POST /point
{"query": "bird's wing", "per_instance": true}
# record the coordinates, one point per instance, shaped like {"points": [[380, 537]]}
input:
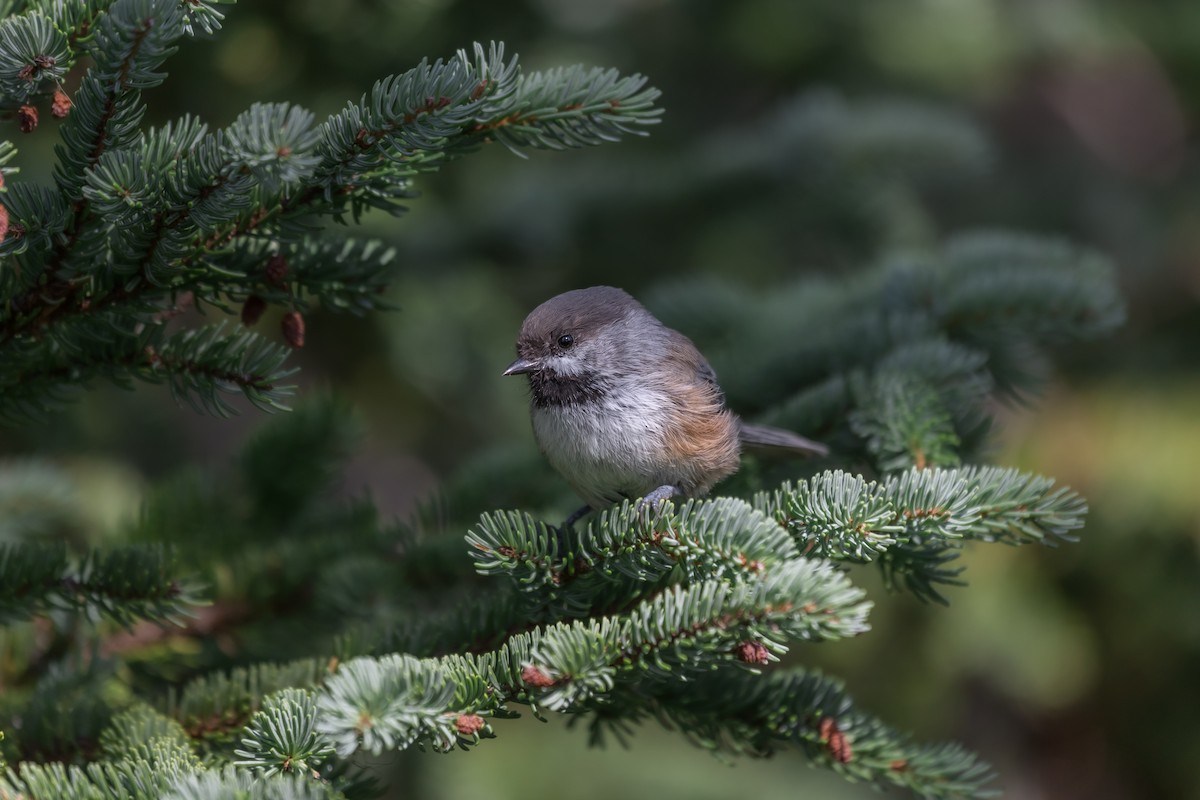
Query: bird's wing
{"points": [[697, 365], [754, 435]]}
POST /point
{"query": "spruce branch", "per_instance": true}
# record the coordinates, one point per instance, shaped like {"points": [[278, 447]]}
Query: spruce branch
{"points": [[202, 364], [760, 715], [574, 107], [131, 42], [398, 701], [229, 782], [140, 218], [435, 112], [203, 16], [393, 703], [282, 736], [690, 628], [150, 773], [218, 705], [131, 729], [626, 547], [922, 515], [33, 53], [123, 584], [159, 770], [61, 716], [345, 274], [476, 624], [1051, 289], [199, 365], [854, 364], [904, 423], [31, 579]]}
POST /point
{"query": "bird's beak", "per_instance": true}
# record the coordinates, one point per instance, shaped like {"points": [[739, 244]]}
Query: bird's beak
{"points": [[522, 366]]}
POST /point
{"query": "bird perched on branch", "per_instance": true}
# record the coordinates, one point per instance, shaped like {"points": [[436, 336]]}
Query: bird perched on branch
{"points": [[625, 407]]}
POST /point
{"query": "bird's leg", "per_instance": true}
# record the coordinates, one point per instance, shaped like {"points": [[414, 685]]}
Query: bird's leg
{"points": [[563, 532], [576, 515]]}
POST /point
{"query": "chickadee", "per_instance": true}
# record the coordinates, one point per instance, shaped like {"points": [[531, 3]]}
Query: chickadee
{"points": [[625, 407]]}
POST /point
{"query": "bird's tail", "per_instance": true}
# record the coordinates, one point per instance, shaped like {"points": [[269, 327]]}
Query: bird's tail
{"points": [[764, 436]]}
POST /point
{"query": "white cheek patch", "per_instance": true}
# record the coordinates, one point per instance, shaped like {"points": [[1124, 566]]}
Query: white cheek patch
{"points": [[565, 365]]}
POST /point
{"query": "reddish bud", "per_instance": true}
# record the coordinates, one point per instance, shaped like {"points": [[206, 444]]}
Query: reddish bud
{"points": [[834, 740], [277, 271], [839, 747], [753, 566], [252, 310], [435, 103], [60, 106], [752, 653], [28, 72], [27, 118], [3, 223], [469, 724], [827, 727], [533, 676], [293, 329], [44, 61]]}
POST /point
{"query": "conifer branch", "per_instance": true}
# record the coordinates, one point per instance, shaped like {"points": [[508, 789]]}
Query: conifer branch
{"points": [[158, 771], [282, 737], [131, 42], [220, 704], [124, 585], [199, 365], [153, 772], [229, 782], [900, 368], [398, 701], [918, 518], [760, 715], [33, 54], [627, 548], [139, 218], [137, 725]]}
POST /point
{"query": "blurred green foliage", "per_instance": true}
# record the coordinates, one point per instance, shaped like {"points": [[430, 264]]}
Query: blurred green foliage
{"points": [[1073, 671]]}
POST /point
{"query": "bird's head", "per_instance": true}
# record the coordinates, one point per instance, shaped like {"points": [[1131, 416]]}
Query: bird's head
{"points": [[582, 336]]}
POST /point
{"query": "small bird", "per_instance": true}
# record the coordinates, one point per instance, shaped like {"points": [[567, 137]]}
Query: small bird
{"points": [[625, 407]]}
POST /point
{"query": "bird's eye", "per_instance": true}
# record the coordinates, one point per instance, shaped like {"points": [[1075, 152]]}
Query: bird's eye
{"points": [[566, 340]]}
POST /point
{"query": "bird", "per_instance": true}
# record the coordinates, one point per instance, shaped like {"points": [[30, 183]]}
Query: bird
{"points": [[624, 407]]}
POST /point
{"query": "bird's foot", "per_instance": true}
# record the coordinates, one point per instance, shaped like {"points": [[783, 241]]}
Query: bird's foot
{"points": [[655, 498]]}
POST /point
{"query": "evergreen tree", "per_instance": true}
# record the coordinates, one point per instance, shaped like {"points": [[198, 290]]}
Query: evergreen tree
{"points": [[356, 634]]}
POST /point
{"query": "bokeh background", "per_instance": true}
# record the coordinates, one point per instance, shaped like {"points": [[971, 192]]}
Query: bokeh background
{"points": [[800, 136]]}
